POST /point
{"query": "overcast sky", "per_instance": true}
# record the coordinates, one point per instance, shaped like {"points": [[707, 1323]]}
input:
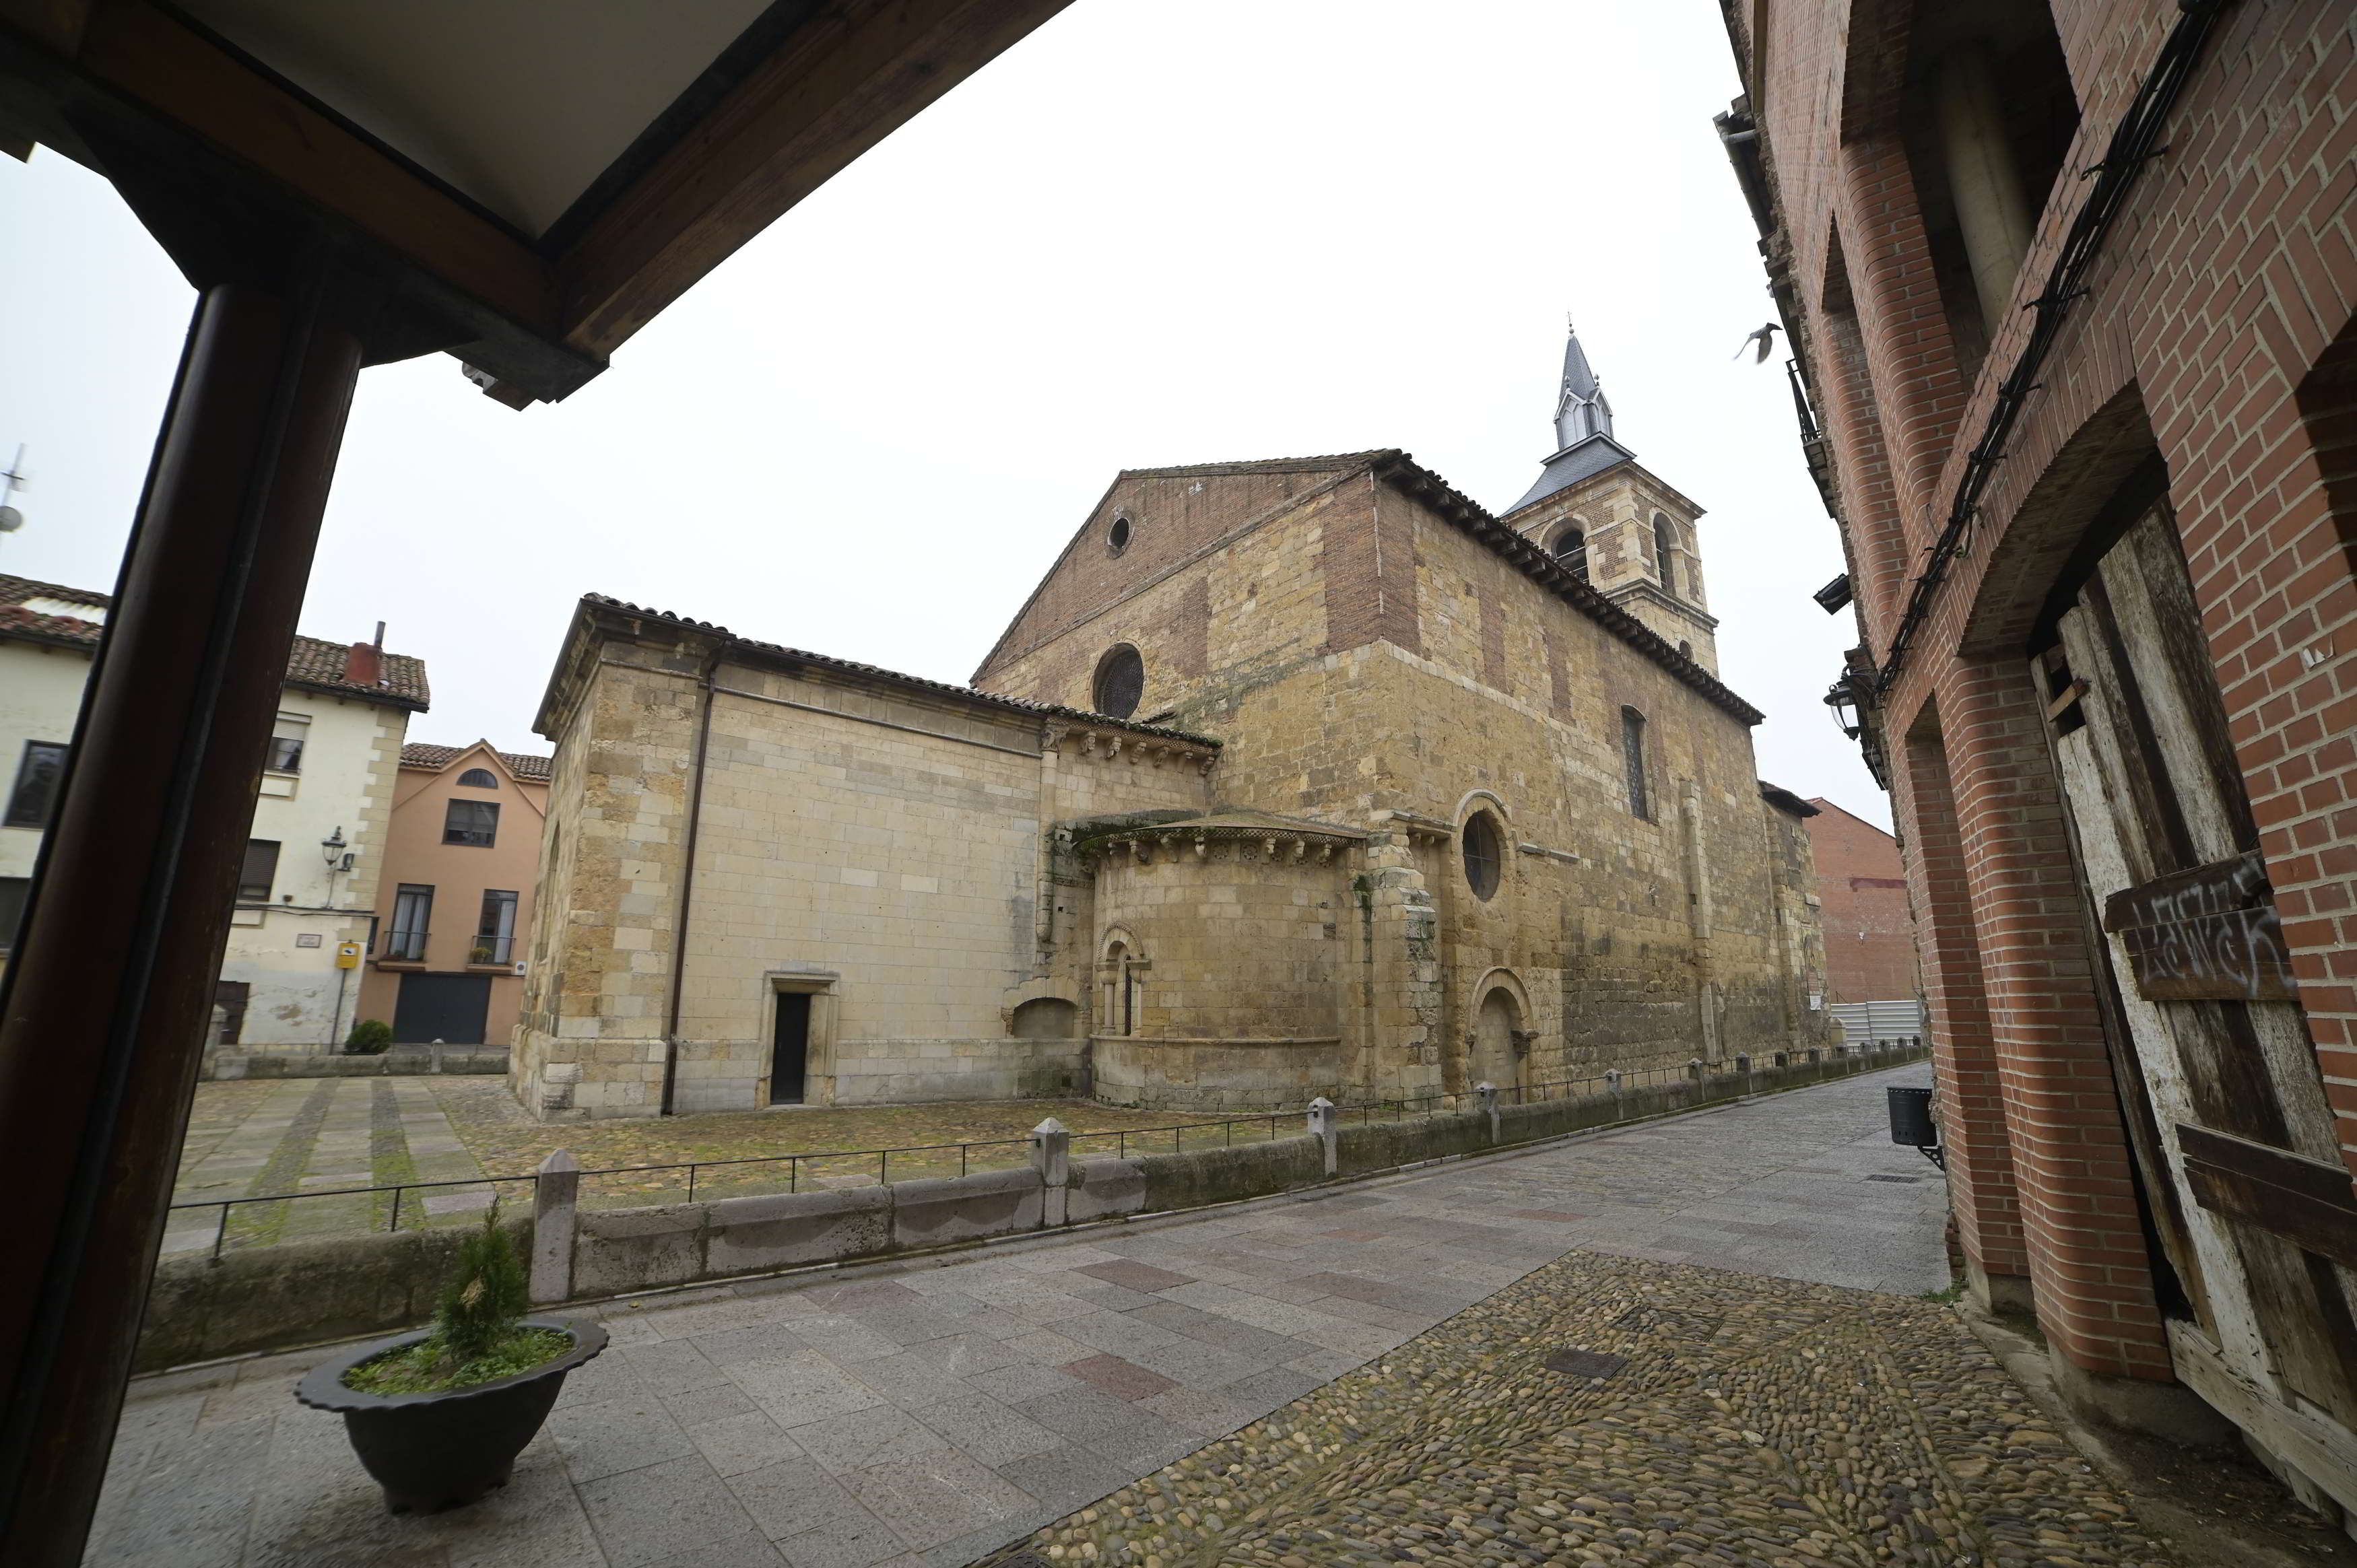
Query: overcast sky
{"points": [[1152, 233]]}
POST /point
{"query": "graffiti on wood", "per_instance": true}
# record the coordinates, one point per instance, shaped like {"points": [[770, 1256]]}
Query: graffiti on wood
{"points": [[2209, 933]]}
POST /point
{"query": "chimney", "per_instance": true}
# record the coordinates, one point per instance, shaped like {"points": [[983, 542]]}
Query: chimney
{"points": [[364, 665]]}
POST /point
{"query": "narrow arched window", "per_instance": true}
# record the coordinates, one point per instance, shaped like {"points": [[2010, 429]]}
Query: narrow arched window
{"points": [[1665, 552], [1121, 682], [1484, 854], [1633, 760], [478, 778], [1570, 550]]}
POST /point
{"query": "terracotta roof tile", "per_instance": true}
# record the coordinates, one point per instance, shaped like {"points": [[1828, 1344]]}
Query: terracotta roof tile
{"points": [[315, 665], [914, 682], [523, 765]]}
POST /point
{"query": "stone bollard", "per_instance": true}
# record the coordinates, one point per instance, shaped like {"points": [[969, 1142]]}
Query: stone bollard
{"points": [[1693, 1070], [1052, 1156], [1743, 1066], [556, 1201], [1488, 1094], [1321, 1125]]}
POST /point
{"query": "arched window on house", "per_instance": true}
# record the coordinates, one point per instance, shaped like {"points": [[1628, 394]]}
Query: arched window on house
{"points": [[1632, 761], [1570, 551], [478, 778], [1665, 552]]}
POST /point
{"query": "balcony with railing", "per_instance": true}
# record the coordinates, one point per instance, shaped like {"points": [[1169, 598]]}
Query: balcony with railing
{"points": [[404, 947], [491, 950]]}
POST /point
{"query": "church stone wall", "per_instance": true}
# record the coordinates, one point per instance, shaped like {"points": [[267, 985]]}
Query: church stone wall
{"points": [[879, 849], [589, 1041], [1624, 941]]}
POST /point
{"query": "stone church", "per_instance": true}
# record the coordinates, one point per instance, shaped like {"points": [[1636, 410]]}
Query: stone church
{"points": [[1291, 777]]}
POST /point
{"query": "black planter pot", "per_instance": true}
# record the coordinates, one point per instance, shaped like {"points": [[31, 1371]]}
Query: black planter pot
{"points": [[436, 1451]]}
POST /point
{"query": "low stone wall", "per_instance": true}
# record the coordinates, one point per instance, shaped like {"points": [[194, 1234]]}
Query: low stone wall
{"points": [[303, 1292], [273, 1297], [898, 1072], [401, 1062]]}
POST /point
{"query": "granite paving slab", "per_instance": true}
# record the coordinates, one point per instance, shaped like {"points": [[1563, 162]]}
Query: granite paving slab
{"points": [[938, 1414]]}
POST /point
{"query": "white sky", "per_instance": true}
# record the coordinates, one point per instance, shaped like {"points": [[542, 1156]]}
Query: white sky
{"points": [[1152, 233]]}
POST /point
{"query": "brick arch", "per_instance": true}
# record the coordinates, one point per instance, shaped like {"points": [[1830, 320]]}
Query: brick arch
{"points": [[2074, 488], [1874, 66]]}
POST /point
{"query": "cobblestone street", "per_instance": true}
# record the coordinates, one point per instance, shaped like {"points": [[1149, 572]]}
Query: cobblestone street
{"points": [[1735, 1420], [1770, 1409]]}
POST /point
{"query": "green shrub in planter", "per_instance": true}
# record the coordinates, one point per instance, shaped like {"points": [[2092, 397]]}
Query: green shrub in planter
{"points": [[479, 1333], [438, 1415], [370, 1037]]}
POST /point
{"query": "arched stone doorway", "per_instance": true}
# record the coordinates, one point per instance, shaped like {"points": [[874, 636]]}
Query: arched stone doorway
{"points": [[1497, 1026]]}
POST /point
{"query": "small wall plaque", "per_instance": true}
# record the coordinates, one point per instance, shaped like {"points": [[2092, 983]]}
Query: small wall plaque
{"points": [[307, 939]]}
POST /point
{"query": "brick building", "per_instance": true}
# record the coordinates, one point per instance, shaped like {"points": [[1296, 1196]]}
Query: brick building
{"points": [[1290, 777], [2071, 286], [1862, 899]]}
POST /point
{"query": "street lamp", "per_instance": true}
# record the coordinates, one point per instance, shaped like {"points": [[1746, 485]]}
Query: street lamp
{"points": [[332, 847], [1843, 700]]}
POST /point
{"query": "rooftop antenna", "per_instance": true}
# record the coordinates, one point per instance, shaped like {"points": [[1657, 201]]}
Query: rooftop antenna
{"points": [[12, 478]]}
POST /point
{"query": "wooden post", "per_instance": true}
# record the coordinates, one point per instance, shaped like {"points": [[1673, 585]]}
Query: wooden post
{"points": [[103, 1013]]}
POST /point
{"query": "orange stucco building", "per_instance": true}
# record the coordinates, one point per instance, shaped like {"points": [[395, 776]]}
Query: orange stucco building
{"points": [[454, 907]]}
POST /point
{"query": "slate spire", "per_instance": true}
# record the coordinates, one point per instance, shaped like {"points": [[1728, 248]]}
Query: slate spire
{"points": [[1584, 446], [1580, 409]]}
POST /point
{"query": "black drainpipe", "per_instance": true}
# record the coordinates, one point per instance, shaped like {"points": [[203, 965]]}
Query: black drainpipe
{"points": [[686, 887]]}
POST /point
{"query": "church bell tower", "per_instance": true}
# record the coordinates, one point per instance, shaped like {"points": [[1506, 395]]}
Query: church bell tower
{"points": [[1608, 519]]}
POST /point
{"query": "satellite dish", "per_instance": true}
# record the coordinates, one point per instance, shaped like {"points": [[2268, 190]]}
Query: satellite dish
{"points": [[11, 520]]}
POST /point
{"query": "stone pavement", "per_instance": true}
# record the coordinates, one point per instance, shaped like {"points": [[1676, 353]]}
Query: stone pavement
{"points": [[255, 1136], [935, 1414], [312, 1134]]}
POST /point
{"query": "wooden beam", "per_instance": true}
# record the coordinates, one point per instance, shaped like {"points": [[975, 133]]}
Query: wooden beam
{"points": [[838, 86], [2308, 1203], [176, 73], [53, 24], [2317, 1447]]}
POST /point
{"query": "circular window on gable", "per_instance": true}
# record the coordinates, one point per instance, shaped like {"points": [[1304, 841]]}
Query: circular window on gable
{"points": [[1484, 849], [1121, 682], [1117, 536]]}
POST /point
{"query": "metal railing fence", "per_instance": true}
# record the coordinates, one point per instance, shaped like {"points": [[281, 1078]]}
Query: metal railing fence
{"points": [[850, 1166]]}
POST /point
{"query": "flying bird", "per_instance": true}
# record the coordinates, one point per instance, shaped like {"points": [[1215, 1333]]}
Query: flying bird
{"points": [[1765, 338]]}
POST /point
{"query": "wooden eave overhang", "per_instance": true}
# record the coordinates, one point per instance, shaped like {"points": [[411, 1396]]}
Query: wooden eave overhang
{"points": [[225, 159]]}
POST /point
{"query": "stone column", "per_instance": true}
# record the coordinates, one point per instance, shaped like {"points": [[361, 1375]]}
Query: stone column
{"points": [[556, 1202], [1321, 1127], [1991, 210], [1052, 1156]]}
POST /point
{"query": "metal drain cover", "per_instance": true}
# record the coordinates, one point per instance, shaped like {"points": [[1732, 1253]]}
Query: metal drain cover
{"points": [[1585, 1363], [1908, 1180], [1024, 1559]]}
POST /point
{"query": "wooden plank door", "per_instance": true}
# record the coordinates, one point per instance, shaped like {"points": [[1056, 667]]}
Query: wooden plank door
{"points": [[2256, 1210]]}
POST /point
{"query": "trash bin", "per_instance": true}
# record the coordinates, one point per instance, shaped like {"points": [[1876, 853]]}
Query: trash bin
{"points": [[1910, 1117]]}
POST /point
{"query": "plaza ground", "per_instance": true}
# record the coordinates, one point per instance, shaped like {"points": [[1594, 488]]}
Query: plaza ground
{"points": [[250, 1138], [1358, 1375]]}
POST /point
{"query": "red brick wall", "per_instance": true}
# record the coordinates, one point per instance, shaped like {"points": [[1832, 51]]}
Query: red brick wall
{"points": [[1862, 894], [2218, 330]]}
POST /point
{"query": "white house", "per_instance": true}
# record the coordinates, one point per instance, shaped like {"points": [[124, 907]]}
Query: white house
{"points": [[307, 891]]}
